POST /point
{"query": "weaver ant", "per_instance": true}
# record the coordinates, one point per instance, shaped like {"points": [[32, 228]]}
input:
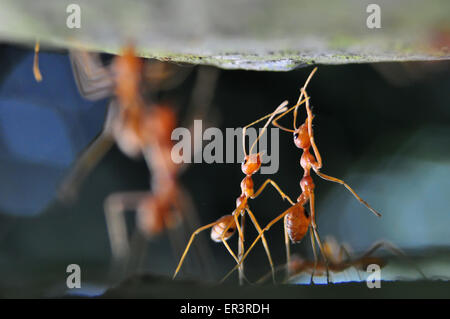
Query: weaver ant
{"points": [[224, 227], [297, 219]]}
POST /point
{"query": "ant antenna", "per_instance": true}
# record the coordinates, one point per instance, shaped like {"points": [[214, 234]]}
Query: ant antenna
{"points": [[301, 95], [275, 121], [281, 108]]}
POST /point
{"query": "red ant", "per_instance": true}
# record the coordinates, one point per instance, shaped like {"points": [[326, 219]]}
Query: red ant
{"points": [[297, 219], [224, 227], [138, 128]]}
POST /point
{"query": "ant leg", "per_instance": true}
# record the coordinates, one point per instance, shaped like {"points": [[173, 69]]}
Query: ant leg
{"points": [[269, 225], [138, 252], [309, 119], [241, 250], [288, 249], [313, 244], [335, 180], [316, 233], [303, 92], [189, 220], [295, 107], [161, 76], [357, 272], [282, 194], [94, 81], [397, 251], [194, 234], [278, 110], [199, 106], [318, 165], [344, 251], [264, 241], [236, 220], [89, 158], [115, 206], [202, 94], [36, 72], [224, 241]]}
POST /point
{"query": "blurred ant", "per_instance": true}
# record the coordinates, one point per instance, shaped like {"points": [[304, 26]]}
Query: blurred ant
{"points": [[297, 219], [138, 128], [225, 226], [36, 72], [340, 260]]}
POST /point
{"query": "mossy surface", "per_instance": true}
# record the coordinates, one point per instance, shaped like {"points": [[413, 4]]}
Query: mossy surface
{"points": [[256, 35]]}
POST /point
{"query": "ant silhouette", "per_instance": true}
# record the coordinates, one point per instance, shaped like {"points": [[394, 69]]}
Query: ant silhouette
{"points": [[297, 220], [224, 227]]}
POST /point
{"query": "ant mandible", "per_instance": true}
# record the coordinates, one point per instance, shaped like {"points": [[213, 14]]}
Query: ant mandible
{"points": [[225, 227]]}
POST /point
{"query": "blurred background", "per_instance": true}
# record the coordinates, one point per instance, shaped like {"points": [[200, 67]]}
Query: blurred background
{"points": [[383, 128]]}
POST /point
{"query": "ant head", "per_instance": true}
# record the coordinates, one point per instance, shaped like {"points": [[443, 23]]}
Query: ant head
{"points": [[301, 137], [251, 164]]}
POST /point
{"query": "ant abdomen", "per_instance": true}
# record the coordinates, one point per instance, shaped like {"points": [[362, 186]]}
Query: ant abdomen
{"points": [[225, 226], [297, 222]]}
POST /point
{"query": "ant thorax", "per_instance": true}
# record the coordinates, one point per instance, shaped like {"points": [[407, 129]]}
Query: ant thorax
{"points": [[306, 160]]}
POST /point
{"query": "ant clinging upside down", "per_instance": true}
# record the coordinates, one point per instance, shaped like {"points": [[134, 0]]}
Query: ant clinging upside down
{"points": [[225, 227], [297, 219]]}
